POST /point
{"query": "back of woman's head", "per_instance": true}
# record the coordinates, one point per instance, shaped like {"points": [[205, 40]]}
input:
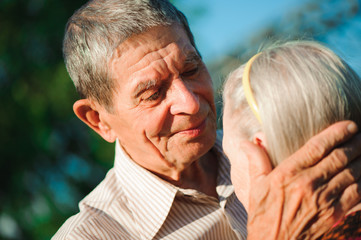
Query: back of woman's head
{"points": [[300, 88]]}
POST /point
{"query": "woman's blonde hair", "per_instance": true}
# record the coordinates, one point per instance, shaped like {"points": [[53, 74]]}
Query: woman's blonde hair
{"points": [[300, 87]]}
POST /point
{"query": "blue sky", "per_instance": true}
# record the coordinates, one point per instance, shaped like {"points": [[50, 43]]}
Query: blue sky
{"points": [[218, 21]]}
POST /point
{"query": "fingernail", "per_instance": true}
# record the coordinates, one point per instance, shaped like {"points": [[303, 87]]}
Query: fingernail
{"points": [[352, 127]]}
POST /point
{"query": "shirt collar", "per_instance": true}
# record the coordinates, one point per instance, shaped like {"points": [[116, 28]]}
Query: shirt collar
{"points": [[151, 196]]}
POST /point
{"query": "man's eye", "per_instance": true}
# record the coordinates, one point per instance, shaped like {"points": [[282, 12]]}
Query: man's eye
{"points": [[154, 96], [190, 72]]}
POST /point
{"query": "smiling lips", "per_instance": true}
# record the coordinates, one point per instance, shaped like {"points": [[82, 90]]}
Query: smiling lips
{"points": [[194, 132]]}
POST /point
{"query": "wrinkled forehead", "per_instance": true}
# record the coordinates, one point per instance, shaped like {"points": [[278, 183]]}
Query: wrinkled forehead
{"points": [[163, 43], [157, 38]]}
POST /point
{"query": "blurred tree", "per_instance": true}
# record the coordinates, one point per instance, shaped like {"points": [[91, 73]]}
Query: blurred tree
{"points": [[49, 161]]}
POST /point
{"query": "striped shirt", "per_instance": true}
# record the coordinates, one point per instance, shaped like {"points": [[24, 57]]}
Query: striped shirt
{"points": [[133, 203]]}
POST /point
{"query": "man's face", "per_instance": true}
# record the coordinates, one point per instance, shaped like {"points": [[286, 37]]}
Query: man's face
{"points": [[164, 114]]}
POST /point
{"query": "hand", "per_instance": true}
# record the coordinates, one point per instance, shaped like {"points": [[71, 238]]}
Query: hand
{"points": [[308, 192]]}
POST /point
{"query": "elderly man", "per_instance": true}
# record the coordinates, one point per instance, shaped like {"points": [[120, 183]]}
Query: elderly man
{"points": [[144, 85]]}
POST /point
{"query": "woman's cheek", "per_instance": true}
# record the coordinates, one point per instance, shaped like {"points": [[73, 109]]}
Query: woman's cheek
{"points": [[240, 179]]}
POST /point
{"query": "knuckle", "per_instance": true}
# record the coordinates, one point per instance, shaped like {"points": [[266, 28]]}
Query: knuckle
{"points": [[350, 174], [353, 193], [302, 186], [338, 157], [316, 148]]}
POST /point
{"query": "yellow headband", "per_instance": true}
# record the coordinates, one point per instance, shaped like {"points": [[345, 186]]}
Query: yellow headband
{"points": [[247, 87]]}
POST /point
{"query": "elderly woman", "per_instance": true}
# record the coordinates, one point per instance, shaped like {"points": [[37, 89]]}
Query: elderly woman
{"points": [[282, 97]]}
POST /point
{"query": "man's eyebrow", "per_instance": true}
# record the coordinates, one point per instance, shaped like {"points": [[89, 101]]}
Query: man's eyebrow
{"points": [[144, 86]]}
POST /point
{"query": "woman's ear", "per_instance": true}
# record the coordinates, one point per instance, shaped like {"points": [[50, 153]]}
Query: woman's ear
{"points": [[92, 115], [259, 138]]}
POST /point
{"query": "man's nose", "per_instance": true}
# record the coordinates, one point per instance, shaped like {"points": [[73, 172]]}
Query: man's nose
{"points": [[183, 99]]}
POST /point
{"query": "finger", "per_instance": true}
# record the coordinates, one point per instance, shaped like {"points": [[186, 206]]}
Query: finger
{"points": [[321, 144], [259, 162], [338, 159], [337, 185], [350, 198], [333, 210], [336, 199]]}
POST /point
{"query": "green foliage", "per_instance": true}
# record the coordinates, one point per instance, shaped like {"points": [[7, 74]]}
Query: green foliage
{"points": [[49, 161]]}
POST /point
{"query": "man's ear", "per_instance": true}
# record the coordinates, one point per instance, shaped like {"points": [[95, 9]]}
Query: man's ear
{"points": [[259, 138], [91, 115]]}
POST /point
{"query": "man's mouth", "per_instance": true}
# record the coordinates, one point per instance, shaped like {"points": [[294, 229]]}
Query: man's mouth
{"points": [[195, 131]]}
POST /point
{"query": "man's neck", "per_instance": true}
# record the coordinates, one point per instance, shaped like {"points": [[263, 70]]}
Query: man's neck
{"points": [[201, 175]]}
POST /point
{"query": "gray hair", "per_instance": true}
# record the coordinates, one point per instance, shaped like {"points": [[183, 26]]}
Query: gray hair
{"points": [[98, 28], [301, 87]]}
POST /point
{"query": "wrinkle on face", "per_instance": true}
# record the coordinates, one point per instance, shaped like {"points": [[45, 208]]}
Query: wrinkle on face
{"points": [[155, 61]]}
